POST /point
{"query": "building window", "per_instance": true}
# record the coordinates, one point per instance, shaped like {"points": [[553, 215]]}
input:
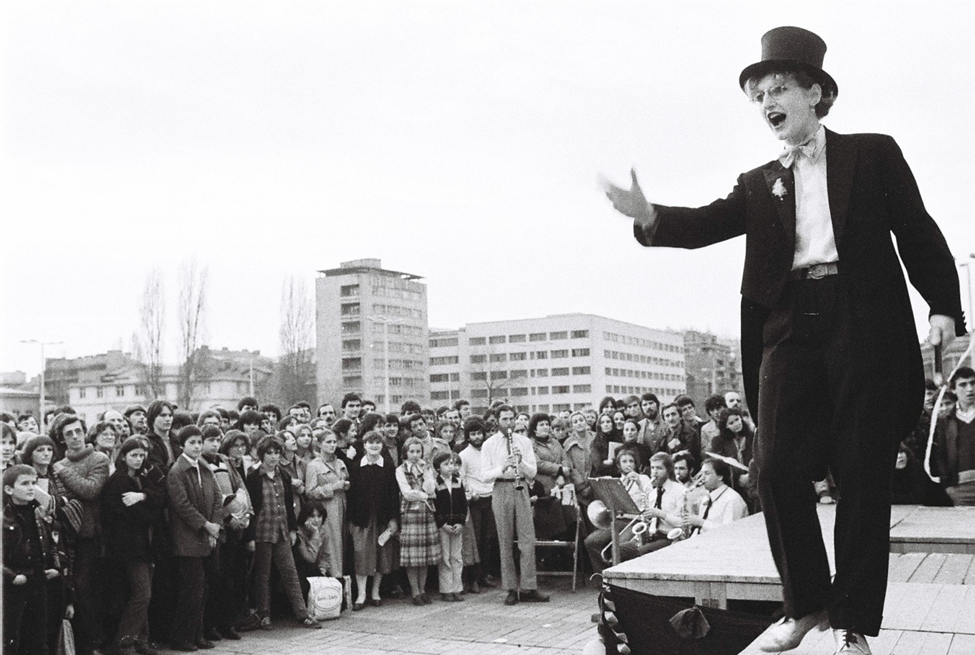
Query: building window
{"points": [[352, 382], [439, 377], [541, 372], [559, 354], [542, 391], [349, 290], [99, 392], [518, 357], [580, 352], [560, 389], [439, 395], [557, 336], [443, 361], [499, 375], [351, 327], [499, 357], [541, 354], [477, 341], [520, 373], [479, 393], [580, 334], [581, 370], [445, 342], [352, 345], [516, 338], [478, 376], [120, 390], [350, 309], [560, 371], [519, 391], [478, 359], [82, 392], [351, 363], [536, 336], [497, 339], [582, 388]]}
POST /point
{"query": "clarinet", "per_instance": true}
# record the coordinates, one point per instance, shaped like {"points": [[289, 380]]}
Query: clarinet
{"points": [[518, 481]]}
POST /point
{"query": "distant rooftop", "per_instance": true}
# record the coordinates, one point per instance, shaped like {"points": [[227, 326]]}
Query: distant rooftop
{"points": [[374, 266]]}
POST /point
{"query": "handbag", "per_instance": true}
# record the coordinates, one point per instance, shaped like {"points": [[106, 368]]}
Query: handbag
{"points": [[324, 598], [66, 639]]}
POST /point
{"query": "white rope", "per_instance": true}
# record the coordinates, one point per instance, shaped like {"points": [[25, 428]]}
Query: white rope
{"points": [[937, 407]]}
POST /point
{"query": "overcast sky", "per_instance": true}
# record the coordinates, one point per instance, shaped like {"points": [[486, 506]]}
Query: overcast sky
{"points": [[460, 141]]}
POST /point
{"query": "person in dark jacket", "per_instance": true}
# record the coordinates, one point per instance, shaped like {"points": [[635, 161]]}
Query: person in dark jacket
{"points": [[450, 503], [373, 511], [132, 513], [195, 517], [273, 532], [29, 560]]}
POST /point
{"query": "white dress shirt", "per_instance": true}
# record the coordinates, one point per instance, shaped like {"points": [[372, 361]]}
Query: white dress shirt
{"points": [[815, 243], [495, 451], [726, 504]]}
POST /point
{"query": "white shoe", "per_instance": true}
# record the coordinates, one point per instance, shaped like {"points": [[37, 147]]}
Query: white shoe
{"points": [[849, 642], [788, 633]]}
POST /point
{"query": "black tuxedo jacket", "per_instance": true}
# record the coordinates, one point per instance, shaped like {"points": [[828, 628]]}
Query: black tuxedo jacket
{"points": [[872, 194]]}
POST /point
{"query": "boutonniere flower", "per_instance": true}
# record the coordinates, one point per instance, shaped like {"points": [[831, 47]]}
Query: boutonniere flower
{"points": [[779, 190]]}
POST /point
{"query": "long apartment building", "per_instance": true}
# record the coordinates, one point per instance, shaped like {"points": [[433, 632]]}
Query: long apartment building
{"points": [[567, 361]]}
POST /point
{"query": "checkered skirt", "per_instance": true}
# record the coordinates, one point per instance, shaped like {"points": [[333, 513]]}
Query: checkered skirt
{"points": [[419, 538]]}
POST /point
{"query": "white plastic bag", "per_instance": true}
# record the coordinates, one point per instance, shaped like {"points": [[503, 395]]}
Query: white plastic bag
{"points": [[324, 598]]}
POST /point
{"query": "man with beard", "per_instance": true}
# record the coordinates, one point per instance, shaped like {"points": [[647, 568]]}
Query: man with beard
{"points": [[679, 435], [652, 428], [479, 503], [723, 504], [685, 470]]}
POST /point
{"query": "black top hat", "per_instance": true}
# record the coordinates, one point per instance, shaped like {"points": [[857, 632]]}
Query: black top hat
{"points": [[791, 47]]}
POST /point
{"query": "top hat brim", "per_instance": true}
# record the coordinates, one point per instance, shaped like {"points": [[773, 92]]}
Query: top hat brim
{"points": [[763, 68]]}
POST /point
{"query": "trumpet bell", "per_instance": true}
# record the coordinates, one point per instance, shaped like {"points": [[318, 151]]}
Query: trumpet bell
{"points": [[599, 515]]}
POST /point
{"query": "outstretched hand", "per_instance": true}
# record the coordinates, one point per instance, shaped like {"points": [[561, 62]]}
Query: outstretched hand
{"points": [[630, 202]]}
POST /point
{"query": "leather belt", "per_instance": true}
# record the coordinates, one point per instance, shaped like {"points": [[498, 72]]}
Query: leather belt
{"points": [[815, 272]]}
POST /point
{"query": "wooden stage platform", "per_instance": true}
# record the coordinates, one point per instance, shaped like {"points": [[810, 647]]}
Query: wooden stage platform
{"points": [[931, 595]]}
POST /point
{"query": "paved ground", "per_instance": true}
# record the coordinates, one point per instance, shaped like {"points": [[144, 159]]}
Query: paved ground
{"points": [[481, 625]]}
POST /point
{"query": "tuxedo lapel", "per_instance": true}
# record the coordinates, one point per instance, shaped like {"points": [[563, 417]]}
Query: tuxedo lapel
{"points": [[840, 161], [782, 187]]}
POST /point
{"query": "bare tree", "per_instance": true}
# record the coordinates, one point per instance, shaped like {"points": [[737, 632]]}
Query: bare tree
{"points": [[148, 341], [192, 331], [296, 369]]}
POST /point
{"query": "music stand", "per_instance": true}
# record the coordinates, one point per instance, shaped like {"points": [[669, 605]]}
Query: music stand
{"points": [[613, 494]]}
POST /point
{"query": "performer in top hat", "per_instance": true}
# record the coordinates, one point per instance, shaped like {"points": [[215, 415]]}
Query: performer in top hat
{"points": [[829, 348]]}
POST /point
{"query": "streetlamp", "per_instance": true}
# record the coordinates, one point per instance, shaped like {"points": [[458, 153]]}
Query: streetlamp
{"points": [[40, 417], [385, 321]]}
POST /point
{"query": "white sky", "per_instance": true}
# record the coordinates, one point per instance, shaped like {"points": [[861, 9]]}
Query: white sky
{"points": [[460, 141]]}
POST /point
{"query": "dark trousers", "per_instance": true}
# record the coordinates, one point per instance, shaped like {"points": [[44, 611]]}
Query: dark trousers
{"points": [[188, 619], [25, 617], [835, 378], [231, 586], [88, 604], [486, 537], [133, 626]]}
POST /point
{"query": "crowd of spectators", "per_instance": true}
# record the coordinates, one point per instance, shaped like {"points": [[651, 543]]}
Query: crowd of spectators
{"points": [[156, 525]]}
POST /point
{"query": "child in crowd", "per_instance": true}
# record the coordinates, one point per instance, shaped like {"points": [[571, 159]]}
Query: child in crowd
{"points": [[451, 516], [29, 561], [310, 550], [419, 541]]}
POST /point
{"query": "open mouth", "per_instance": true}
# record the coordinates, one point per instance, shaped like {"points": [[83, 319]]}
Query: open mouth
{"points": [[776, 118]]}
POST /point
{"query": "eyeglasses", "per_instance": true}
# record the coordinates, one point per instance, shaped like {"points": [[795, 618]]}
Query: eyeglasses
{"points": [[775, 92]]}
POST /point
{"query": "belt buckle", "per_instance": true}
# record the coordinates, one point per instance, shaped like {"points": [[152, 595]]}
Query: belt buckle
{"points": [[817, 272]]}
